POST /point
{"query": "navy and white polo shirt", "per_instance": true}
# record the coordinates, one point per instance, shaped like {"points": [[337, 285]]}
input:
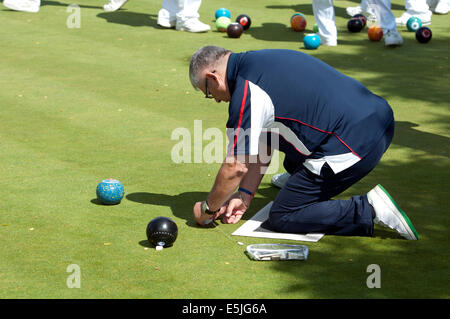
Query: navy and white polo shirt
{"points": [[318, 114]]}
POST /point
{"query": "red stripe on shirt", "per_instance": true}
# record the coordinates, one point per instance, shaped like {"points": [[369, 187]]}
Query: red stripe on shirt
{"points": [[318, 129], [241, 114], [346, 145]]}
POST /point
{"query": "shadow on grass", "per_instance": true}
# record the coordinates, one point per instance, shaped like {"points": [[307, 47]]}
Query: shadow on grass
{"points": [[182, 204], [406, 135], [271, 31], [132, 19], [146, 243], [307, 9], [95, 201], [61, 4], [121, 16]]}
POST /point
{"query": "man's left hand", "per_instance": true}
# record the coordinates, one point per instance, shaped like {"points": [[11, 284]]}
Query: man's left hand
{"points": [[234, 211]]}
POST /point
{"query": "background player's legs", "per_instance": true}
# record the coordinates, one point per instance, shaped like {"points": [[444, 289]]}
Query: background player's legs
{"points": [[167, 16], [188, 9], [363, 9], [324, 15], [439, 6], [187, 16], [182, 15], [416, 8], [386, 20]]}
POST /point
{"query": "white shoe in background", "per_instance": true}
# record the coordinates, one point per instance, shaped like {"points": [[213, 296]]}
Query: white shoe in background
{"points": [[23, 5], [165, 19], [403, 19], [389, 214], [351, 11], [192, 25], [370, 14], [114, 5], [329, 43], [166, 23], [441, 7], [392, 38]]}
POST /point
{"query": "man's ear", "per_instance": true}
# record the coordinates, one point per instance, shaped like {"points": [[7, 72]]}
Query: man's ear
{"points": [[214, 77]]}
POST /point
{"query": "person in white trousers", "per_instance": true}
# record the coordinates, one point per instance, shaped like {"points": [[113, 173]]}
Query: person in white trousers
{"points": [[180, 14], [324, 15], [422, 9]]}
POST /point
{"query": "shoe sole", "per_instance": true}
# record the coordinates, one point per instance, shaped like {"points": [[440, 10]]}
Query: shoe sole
{"points": [[187, 30], [393, 44], [387, 198], [166, 26], [404, 25]]}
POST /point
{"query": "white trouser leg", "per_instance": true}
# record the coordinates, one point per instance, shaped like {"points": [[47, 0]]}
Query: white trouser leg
{"points": [[417, 7], [169, 10], [364, 5], [439, 6], [324, 15], [188, 9], [385, 17]]}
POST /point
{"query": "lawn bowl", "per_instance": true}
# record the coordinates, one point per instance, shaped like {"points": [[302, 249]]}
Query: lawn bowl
{"points": [[110, 191]]}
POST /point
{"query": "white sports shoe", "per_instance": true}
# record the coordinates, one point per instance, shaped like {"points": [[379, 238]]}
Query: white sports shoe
{"points": [[23, 5], [389, 214], [166, 23], [370, 14], [403, 19], [329, 43], [441, 7], [114, 5], [392, 38], [192, 25], [351, 11], [165, 19], [278, 180]]}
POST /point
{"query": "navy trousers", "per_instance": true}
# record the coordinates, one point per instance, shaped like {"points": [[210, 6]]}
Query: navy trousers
{"points": [[304, 204]]}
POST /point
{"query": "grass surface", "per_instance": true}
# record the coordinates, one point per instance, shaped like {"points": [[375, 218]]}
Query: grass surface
{"points": [[81, 105]]}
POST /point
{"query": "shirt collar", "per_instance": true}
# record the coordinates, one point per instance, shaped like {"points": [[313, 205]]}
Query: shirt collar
{"points": [[232, 71]]}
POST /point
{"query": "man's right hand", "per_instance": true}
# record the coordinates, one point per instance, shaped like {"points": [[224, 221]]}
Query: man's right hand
{"points": [[204, 219]]}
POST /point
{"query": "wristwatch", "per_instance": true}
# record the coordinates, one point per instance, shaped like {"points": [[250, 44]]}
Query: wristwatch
{"points": [[205, 209]]}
